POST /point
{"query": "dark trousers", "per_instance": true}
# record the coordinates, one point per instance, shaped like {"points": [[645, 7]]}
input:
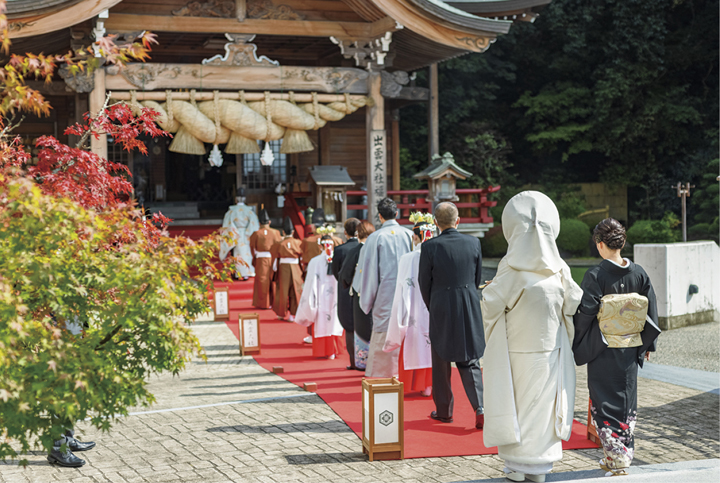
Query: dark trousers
{"points": [[442, 388], [350, 346]]}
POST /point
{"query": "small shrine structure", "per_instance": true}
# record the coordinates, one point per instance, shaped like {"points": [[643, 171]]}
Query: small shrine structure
{"points": [[329, 185]]}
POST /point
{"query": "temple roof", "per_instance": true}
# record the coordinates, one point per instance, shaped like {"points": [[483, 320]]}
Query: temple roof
{"points": [[294, 32], [330, 176]]}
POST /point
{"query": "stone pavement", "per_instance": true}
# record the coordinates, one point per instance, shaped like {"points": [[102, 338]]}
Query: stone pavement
{"points": [[229, 420]]}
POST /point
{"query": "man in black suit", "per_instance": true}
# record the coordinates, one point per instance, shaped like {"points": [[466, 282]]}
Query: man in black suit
{"points": [[344, 302], [449, 276]]}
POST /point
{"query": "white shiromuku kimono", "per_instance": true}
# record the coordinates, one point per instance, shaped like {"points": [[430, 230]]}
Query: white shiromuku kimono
{"points": [[528, 366], [240, 222], [318, 303], [409, 324]]}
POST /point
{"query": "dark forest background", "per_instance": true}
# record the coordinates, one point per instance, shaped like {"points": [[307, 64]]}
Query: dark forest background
{"points": [[616, 91]]}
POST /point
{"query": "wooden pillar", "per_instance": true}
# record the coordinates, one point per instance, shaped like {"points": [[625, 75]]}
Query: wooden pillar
{"points": [[396, 149], [433, 114], [377, 147], [324, 154], [97, 101]]}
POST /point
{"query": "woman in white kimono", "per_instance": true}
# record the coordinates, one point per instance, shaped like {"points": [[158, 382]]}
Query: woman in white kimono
{"points": [[318, 304], [528, 369], [409, 325], [239, 223]]}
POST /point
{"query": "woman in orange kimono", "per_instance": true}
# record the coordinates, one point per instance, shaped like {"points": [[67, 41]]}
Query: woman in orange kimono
{"points": [[286, 261]]}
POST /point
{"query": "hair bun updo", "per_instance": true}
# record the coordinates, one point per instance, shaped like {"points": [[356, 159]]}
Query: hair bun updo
{"points": [[611, 233]]}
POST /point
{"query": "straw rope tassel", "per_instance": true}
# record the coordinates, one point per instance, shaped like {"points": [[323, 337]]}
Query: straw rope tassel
{"points": [[295, 140], [168, 103]]}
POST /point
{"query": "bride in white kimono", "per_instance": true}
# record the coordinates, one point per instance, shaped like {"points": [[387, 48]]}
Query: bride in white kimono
{"points": [[318, 304], [409, 324], [239, 223], [528, 366]]}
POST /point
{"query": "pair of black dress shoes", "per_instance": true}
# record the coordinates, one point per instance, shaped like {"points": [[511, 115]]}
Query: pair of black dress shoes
{"points": [[479, 418], [67, 458]]}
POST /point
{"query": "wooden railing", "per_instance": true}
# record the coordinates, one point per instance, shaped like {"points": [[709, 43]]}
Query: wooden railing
{"points": [[474, 210]]}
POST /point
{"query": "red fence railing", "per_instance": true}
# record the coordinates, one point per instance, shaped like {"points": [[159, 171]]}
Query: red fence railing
{"points": [[473, 204]]}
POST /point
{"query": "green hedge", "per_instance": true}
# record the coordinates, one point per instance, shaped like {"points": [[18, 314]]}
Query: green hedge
{"points": [[654, 231], [494, 245], [574, 236]]}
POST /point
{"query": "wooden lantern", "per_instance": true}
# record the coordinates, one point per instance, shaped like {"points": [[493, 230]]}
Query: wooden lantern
{"points": [[221, 304], [249, 331], [383, 419], [441, 176]]}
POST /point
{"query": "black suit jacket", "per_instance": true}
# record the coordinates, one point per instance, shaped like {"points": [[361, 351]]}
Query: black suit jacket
{"points": [[449, 276], [344, 303]]}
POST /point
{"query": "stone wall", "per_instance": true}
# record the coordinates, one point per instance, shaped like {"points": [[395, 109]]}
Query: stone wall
{"points": [[675, 269]]}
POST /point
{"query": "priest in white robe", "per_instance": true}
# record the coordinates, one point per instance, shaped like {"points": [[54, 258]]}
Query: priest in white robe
{"points": [[377, 273], [409, 326], [528, 369], [318, 304], [239, 223]]}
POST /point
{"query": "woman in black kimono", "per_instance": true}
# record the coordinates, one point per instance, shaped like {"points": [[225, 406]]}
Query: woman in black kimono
{"points": [[362, 323], [612, 370]]}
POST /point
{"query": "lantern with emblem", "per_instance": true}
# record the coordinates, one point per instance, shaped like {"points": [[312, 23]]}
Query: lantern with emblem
{"points": [[383, 419]]}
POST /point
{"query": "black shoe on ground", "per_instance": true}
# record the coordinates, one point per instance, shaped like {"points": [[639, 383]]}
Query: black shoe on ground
{"points": [[76, 445], [434, 415], [479, 420], [67, 459]]}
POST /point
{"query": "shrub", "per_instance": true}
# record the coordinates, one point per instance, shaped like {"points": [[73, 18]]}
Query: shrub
{"points": [[654, 231], [494, 244], [574, 236]]}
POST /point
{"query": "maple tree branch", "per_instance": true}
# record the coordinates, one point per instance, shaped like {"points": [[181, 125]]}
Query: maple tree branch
{"points": [[118, 327], [87, 133], [10, 127]]}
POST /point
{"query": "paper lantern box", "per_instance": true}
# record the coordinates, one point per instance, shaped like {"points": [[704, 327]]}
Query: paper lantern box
{"points": [[383, 419], [221, 304], [249, 330]]}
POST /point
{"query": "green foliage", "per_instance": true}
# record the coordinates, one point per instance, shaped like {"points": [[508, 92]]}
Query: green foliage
{"points": [[569, 199], [621, 92], [654, 231], [409, 167], [482, 151], [494, 245], [574, 236], [65, 263], [705, 201]]}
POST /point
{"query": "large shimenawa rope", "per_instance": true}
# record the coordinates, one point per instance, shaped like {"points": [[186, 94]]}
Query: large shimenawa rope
{"points": [[240, 124]]}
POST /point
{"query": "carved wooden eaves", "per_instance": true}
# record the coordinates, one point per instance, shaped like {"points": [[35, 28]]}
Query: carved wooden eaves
{"points": [[444, 24], [51, 22]]}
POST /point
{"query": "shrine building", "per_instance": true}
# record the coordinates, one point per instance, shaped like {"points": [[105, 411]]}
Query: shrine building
{"points": [[296, 101]]}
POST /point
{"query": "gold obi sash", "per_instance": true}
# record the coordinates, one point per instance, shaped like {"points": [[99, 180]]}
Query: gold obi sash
{"points": [[622, 319]]}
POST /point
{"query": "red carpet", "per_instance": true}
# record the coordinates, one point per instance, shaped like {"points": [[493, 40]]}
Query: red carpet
{"points": [[282, 346]]}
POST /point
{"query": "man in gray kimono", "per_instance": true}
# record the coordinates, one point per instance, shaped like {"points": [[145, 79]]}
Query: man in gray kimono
{"points": [[378, 268]]}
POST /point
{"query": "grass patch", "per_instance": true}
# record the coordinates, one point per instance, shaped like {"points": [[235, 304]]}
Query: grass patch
{"points": [[578, 273]]}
